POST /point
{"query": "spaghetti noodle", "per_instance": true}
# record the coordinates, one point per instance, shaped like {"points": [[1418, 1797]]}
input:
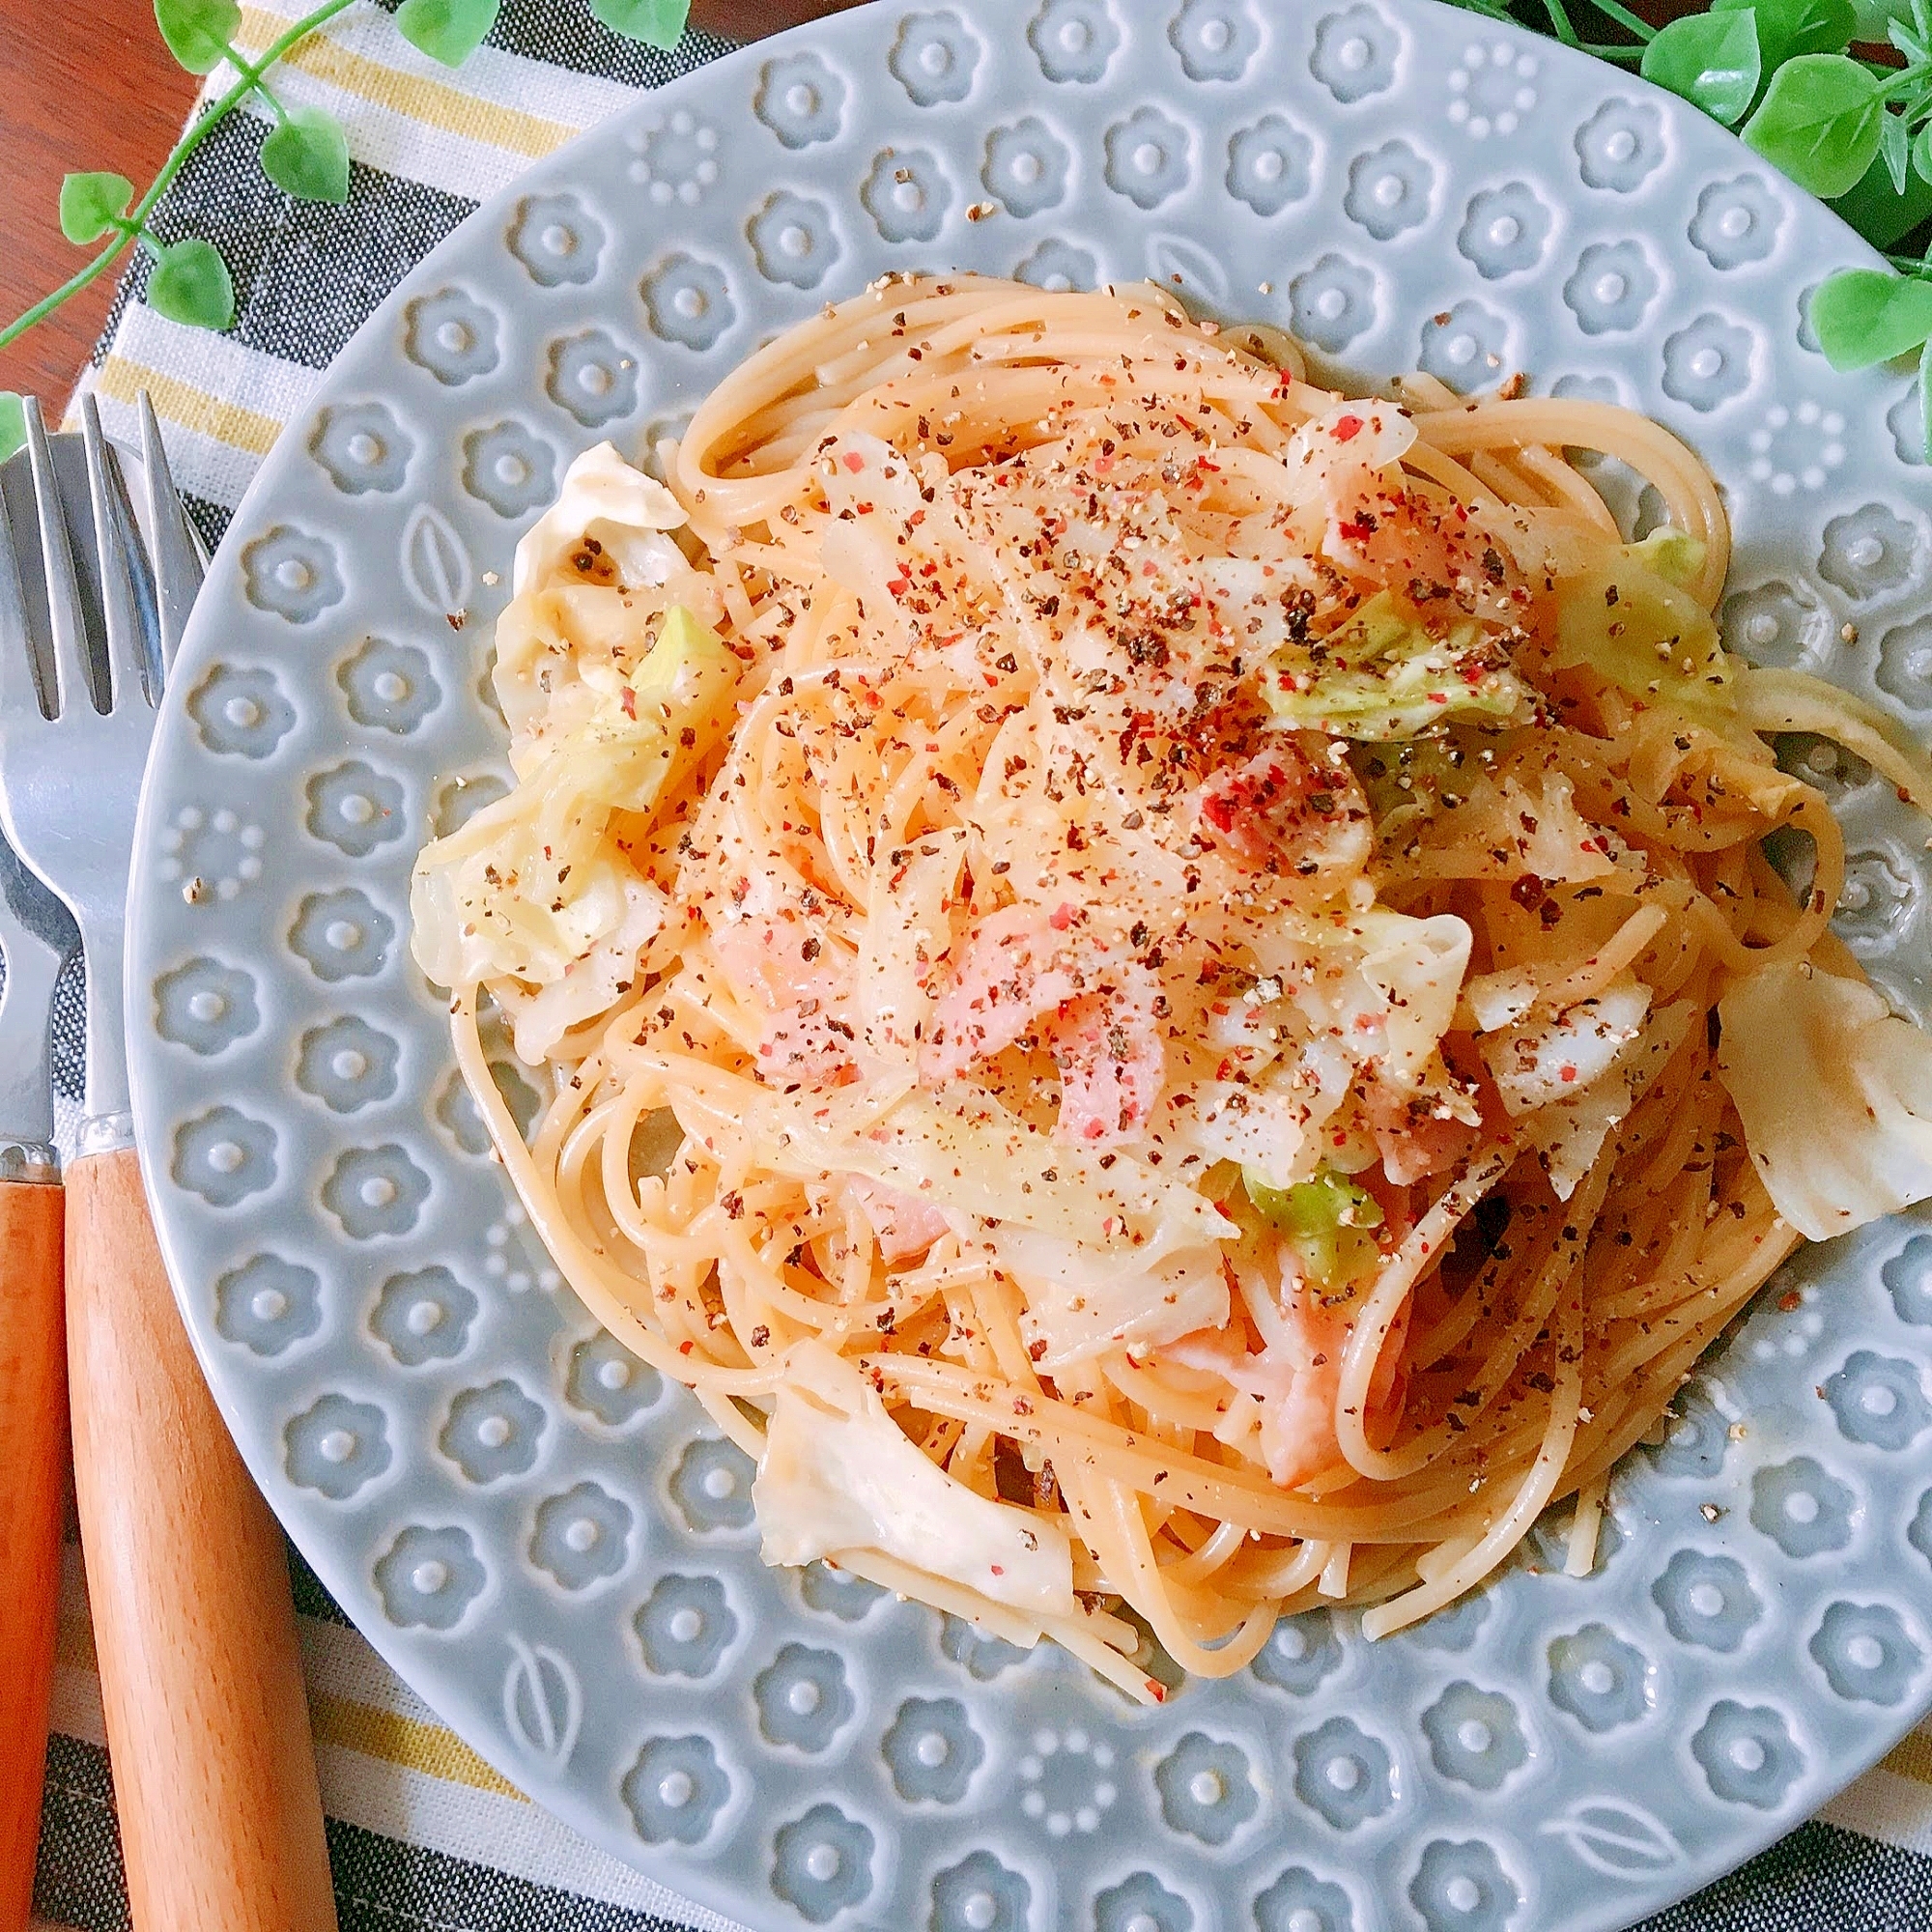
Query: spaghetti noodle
{"points": [[1145, 965]]}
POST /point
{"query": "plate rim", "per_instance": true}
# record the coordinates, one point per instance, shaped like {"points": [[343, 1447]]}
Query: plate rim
{"points": [[668, 1866]]}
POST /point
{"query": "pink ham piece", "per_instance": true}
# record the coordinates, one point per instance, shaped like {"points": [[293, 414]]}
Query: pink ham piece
{"points": [[1029, 972], [902, 1224], [806, 1036]]}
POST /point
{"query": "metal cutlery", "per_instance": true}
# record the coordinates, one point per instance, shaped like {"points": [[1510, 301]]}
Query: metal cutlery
{"points": [[195, 1631], [173, 547], [35, 936]]}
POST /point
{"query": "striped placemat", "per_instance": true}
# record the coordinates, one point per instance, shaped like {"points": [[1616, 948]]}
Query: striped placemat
{"points": [[424, 1836]]}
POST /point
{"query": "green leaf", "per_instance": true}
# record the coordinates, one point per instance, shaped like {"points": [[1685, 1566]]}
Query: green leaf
{"points": [[658, 23], [1788, 28], [89, 205], [13, 423], [1861, 316], [307, 156], [1821, 121], [448, 31], [190, 285], [1879, 212], [1895, 148], [198, 32], [1922, 153], [1911, 41], [1710, 60]]}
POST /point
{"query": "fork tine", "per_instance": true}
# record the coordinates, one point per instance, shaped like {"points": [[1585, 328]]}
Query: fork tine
{"points": [[21, 695], [72, 682], [126, 654], [178, 566]]}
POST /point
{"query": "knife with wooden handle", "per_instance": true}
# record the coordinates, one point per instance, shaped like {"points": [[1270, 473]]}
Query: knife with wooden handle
{"points": [[35, 934], [33, 1451]]}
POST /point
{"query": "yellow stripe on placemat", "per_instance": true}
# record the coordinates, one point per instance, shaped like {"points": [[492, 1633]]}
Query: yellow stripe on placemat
{"points": [[421, 99], [1911, 1757], [183, 402], [373, 1732], [365, 1729]]}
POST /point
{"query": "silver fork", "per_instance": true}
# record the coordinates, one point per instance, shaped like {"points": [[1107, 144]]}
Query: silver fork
{"points": [[71, 764], [194, 1630]]}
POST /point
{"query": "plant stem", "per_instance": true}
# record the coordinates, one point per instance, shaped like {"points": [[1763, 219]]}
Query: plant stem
{"points": [[1631, 23], [243, 65], [72, 286], [251, 75], [1559, 19], [1902, 80]]}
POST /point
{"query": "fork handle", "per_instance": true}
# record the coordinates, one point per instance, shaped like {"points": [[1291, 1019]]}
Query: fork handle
{"points": [[33, 1453], [200, 1676]]}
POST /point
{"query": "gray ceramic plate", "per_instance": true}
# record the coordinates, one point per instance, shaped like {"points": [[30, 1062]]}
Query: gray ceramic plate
{"points": [[554, 1548]]}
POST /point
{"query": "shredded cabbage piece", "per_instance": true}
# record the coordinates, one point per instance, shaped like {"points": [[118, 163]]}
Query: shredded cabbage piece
{"points": [[529, 885], [606, 502], [838, 1473], [1107, 1254], [1635, 626], [1383, 674], [1836, 1095], [1673, 555], [1545, 1057], [1319, 1217], [957, 1146], [1568, 1134]]}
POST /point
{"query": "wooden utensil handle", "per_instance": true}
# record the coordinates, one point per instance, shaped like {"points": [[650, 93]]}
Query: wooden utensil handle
{"points": [[33, 1457], [199, 1678]]}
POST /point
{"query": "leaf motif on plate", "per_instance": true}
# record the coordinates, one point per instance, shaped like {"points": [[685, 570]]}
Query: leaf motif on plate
{"points": [[1616, 1838], [1175, 263], [435, 566], [542, 1703]]}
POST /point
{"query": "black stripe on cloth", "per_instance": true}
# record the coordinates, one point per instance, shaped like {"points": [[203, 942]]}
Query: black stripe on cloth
{"points": [[312, 1599], [210, 518], [380, 1884], [78, 1880], [1819, 1879], [568, 34], [307, 275], [383, 1885]]}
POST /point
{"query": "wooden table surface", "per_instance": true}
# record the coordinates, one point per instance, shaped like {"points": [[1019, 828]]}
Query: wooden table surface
{"points": [[90, 85]]}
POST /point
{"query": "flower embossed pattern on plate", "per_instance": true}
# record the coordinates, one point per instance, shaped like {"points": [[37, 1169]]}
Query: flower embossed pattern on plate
{"points": [[547, 1538]]}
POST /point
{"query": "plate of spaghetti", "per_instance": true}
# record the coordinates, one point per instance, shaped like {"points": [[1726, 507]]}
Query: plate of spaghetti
{"points": [[1101, 994]]}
